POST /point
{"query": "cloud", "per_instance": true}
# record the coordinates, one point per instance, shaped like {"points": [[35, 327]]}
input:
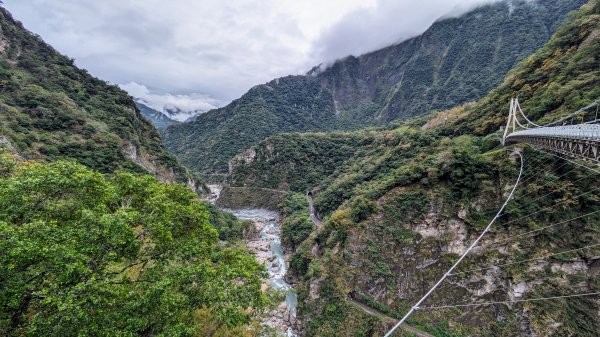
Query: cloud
{"points": [[217, 48], [162, 102], [389, 22]]}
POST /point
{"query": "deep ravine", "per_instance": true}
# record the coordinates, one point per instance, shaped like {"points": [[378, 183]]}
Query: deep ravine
{"points": [[266, 245]]}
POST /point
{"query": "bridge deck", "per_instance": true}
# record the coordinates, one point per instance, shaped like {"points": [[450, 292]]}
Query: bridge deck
{"points": [[581, 140], [580, 131]]}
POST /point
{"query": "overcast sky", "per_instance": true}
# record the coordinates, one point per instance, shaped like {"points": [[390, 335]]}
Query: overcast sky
{"points": [[204, 53]]}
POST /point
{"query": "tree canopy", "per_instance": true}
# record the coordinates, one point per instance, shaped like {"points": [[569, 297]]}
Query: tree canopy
{"points": [[120, 255]]}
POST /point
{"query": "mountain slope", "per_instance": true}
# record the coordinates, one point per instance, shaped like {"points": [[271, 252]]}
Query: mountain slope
{"points": [[456, 60], [157, 118], [401, 203], [50, 109]]}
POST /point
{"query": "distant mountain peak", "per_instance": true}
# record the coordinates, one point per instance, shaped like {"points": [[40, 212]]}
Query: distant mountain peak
{"points": [[453, 62]]}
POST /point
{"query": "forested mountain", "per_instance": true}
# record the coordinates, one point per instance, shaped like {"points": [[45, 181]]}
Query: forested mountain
{"points": [[50, 109], [157, 118], [401, 202], [456, 60]]}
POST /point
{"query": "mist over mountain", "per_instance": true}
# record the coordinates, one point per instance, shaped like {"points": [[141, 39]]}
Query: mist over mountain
{"points": [[157, 118]]}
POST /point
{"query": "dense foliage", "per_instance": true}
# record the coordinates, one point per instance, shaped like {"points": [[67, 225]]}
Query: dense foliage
{"points": [[116, 255], [296, 226], [456, 60], [296, 161], [410, 197], [229, 227], [50, 109], [293, 103]]}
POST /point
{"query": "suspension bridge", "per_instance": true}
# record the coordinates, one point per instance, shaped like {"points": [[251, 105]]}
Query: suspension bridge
{"points": [[569, 140], [578, 140]]}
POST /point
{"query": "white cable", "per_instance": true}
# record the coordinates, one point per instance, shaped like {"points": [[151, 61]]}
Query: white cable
{"points": [[545, 195], [508, 302], [522, 114], [594, 103], [549, 207], [551, 161], [523, 261], [571, 161], [416, 306], [539, 229]]}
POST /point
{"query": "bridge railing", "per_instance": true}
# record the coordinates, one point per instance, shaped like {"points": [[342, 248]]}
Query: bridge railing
{"points": [[580, 131]]}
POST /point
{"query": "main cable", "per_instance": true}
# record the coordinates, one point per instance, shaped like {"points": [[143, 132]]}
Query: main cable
{"points": [[526, 260], [474, 304], [594, 103], [510, 238]]}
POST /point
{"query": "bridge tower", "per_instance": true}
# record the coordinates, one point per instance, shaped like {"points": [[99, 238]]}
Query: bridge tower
{"points": [[512, 119]]}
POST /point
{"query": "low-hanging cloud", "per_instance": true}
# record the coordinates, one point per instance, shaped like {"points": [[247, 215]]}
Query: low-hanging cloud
{"points": [[212, 51], [389, 22], [162, 102]]}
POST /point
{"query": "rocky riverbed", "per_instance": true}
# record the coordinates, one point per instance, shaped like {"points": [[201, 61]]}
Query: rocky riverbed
{"points": [[266, 245], [267, 248]]}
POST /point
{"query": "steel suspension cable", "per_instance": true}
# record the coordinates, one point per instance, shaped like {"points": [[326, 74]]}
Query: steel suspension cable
{"points": [[560, 157], [551, 206], [526, 260], [594, 103], [527, 119], [545, 168], [545, 195], [474, 304], [569, 160], [547, 162], [510, 238]]}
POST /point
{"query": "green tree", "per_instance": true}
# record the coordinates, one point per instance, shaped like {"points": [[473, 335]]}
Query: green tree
{"points": [[118, 255], [296, 229]]}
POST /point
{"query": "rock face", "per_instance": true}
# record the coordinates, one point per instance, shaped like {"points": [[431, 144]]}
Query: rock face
{"points": [[5, 143], [390, 272], [214, 194], [281, 319], [245, 157], [397, 218]]}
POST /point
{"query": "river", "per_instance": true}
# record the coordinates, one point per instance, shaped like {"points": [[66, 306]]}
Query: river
{"points": [[267, 248]]}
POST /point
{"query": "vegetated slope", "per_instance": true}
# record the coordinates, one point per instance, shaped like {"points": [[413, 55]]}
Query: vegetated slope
{"points": [[456, 60], [293, 103], [157, 118], [297, 161], [401, 207], [50, 109]]}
